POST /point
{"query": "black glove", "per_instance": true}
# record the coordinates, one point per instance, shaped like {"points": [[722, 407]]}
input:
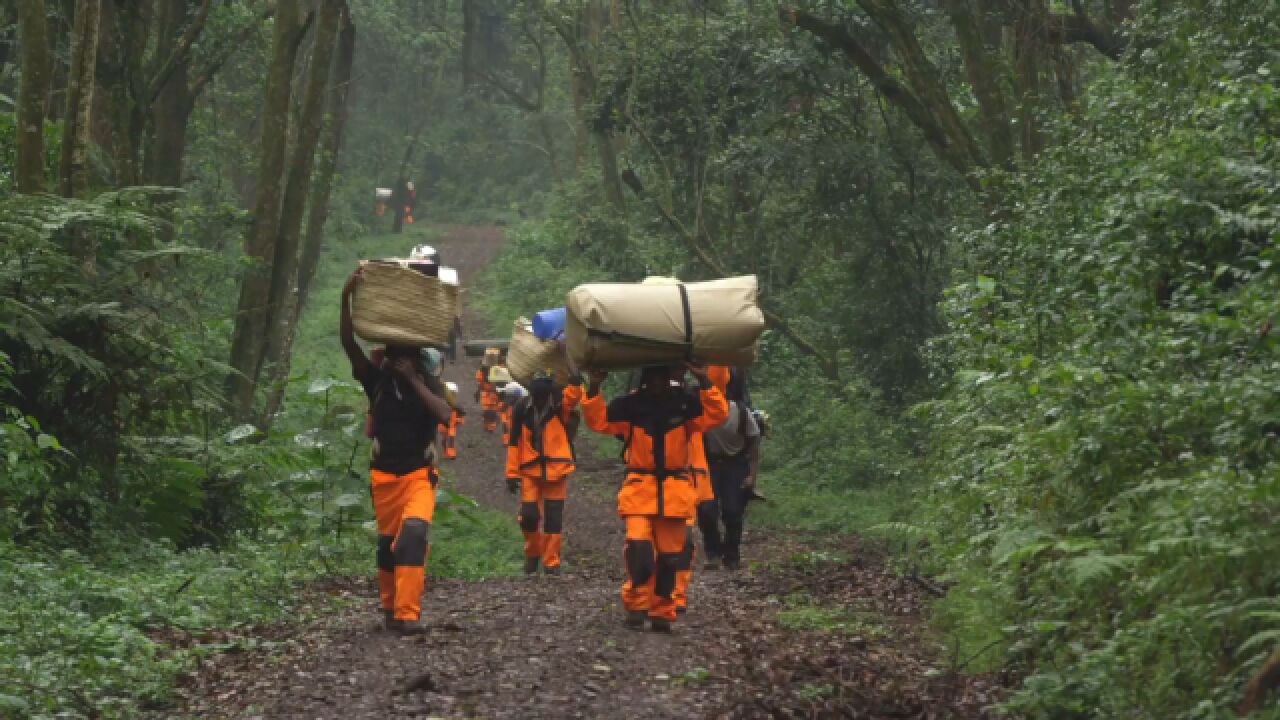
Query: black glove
{"points": [[513, 484]]}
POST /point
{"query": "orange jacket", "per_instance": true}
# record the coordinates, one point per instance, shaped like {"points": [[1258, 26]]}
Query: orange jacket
{"points": [[631, 416], [548, 454]]}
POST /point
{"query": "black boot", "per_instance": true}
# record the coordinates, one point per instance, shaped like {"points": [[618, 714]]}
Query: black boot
{"points": [[659, 625], [531, 566]]}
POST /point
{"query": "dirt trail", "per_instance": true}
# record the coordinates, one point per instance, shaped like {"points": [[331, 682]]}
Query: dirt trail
{"points": [[555, 647]]}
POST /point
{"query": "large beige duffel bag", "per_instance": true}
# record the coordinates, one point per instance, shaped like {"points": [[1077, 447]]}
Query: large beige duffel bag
{"points": [[527, 355], [397, 305], [624, 325]]}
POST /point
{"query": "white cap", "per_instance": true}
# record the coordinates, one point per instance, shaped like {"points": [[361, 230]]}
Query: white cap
{"points": [[423, 252], [514, 389]]}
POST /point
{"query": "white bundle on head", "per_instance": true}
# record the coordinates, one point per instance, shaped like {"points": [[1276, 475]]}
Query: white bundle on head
{"points": [[514, 391]]}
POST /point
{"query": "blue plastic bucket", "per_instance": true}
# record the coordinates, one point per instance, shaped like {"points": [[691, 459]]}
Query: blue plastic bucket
{"points": [[549, 324]]}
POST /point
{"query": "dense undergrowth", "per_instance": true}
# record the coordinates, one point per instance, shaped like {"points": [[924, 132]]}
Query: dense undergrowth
{"points": [[1093, 465], [1106, 451], [203, 527]]}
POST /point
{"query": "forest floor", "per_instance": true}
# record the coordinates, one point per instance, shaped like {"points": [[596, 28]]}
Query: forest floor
{"points": [[811, 627]]}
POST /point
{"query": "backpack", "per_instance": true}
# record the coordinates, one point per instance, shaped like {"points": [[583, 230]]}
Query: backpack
{"points": [[519, 417]]}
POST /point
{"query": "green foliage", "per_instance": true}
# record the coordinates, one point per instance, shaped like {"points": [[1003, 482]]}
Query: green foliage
{"points": [[533, 272], [1106, 450]]}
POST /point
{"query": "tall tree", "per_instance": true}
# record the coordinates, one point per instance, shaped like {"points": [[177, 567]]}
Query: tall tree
{"points": [[279, 315], [318, 206], [255, 285], [33, 92], [73, 168]]}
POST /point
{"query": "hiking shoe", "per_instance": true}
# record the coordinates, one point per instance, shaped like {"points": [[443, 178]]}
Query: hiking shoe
{"points": [[732, 564], [712, 562], [408, 628], [552, 570], [388, 620], [635, 619], [660, 625], [530, 566]]}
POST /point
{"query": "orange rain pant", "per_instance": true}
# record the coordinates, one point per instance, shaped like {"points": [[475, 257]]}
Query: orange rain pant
{"points": [[404, 506], [542, 518], [684, 573], [651, 555], [449, 435]]}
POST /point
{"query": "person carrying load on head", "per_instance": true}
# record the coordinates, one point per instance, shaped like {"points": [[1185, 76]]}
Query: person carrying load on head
{"points": [[486, 391], [733, 455], [700, 472], [540, 459], [657, 497], [449, 431], [407, 404], [510, 394], [495, 407]]}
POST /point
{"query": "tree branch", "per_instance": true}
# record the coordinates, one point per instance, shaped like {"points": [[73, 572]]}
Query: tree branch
{"points": [[512, 93], [181, 53], [894, 91], [1074, 27], [1079, 27], [205, 76]]}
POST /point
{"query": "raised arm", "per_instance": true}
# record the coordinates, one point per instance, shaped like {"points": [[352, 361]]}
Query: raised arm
{"points": [[596, 412], [435, 404], [346, 331], [571, 398], [715, 409]]}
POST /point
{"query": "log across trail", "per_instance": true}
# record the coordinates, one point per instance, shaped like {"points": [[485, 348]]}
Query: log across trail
{"points": [[797, 633]]}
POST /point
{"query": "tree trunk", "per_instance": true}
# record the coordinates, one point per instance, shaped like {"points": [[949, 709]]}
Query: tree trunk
{"points": [[33, 92], [984, 73], [124, 36], [246, 344], [73, 171], [318, 211], [1028, 45], [331, 145], [579, 93], [612, 178], [279, 315]]}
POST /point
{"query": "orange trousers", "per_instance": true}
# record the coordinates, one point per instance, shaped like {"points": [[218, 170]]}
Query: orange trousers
{"points": [[542, 518], [404, 506], [684, 571], [652, 556], [449, 436]]}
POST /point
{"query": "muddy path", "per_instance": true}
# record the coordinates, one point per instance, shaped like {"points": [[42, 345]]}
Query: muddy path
{"points": [[796, 634]]}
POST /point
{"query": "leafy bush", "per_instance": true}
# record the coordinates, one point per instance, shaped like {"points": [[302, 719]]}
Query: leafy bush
{"points": [[1108, 448]]}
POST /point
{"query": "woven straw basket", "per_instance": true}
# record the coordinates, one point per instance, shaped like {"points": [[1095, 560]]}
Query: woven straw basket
{"points": [[527, 355], [396, 305]]}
